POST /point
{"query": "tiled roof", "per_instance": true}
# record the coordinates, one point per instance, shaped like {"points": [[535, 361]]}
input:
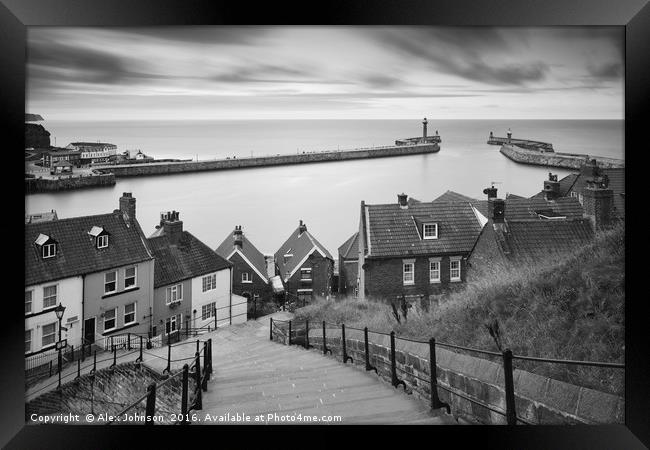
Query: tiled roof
{"points": [[525, 209], [188, 258], [509, 195], [350, 248], [393, 230], [76, 251], [247, 249], [539, 238], [300, 245], [451, 196]]}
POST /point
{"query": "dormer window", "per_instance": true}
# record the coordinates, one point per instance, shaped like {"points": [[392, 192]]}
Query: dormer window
{"points": [[47, 245], [430, 231], [100, 235], [102, 241], [49, 250]]}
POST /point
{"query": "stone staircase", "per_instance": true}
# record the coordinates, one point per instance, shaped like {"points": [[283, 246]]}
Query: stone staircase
{"points": [[255, 376]]}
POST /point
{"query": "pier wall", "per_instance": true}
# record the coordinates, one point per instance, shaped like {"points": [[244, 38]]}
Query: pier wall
{"points": [[264, 161], [555, 159], [66, 183]]}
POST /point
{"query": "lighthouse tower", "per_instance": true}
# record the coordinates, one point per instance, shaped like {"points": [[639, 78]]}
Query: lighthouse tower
{"points": [[509, 134], [424, 128]]}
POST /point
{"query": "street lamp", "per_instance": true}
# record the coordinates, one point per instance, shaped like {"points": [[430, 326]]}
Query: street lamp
{"points": [[59, 310]]}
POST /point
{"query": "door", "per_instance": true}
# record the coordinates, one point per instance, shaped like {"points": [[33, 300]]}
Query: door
{"points": [[89, 330]]}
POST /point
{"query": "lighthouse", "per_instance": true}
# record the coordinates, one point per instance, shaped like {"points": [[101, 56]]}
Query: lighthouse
{"points": [[424, 128], [509, 134]]}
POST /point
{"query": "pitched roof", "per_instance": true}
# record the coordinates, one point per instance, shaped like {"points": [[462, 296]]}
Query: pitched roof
{"points": [[509, 195], [350, 248], [392, 231], [539, 238], [76, 252], [188, 258], [451, 196], [300, 245], [248, 250], [527, 208]]}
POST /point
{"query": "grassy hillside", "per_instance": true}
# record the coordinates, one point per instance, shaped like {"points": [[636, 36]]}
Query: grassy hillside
{"points": [[570, 306]]}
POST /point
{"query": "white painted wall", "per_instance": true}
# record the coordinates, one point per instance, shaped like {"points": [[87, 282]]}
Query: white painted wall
{"points": [[69, 294], [239, 309], [220, 295]]}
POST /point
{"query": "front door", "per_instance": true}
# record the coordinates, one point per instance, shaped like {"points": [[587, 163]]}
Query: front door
{"points": [[89, 330]]}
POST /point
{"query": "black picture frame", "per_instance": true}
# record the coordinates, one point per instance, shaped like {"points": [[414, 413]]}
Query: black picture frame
{"points": [[16, 15]]}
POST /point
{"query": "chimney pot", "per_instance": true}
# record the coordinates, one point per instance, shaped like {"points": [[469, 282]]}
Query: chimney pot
{"points": [[491, 192], [402, 200]]}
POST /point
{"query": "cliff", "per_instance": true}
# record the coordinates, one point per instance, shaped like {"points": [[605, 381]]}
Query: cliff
{"points": [[33, 117], [36, 136]]}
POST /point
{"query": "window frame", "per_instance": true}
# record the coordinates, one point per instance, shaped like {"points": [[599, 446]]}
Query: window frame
{"points": [[209, 312], [31, 301], [249, 278], [170, 321], [50, 249], [114, 272], [135, 277], [135, 315], [432, 271], [102, 239], [451, 270], [31, 340], [114, 319], [56, 295], [52, 334], [174, 288], [209, 282], [405, 263], [308, 271], [424, 230]]}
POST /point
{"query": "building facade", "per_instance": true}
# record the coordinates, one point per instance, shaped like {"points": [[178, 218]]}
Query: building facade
{"points": [[349, 266], [94, 152]]}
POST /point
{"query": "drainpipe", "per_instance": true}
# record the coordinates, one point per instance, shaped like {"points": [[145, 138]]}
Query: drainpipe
{"points": [[230, 295], [83, 316]]}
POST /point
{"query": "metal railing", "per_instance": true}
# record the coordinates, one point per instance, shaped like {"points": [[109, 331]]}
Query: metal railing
{"points": [[506, 357]]}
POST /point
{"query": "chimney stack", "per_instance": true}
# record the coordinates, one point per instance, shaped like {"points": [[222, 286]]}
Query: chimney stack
{"points": [[551, 187], [590, 169], [172, 226], [497, 210], [127, 207], [491, 192], [598, 201], [402, 200], [238, 236], [302, 228]]}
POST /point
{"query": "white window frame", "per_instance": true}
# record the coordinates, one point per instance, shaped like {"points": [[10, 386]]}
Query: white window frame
{"points": [[171, 320], [246, 277], [176, 290], [424, 231], [135, 277], [31, 301], [56, 295], [306, 270], [135, 315], [52, 334], [114, 272], [405, 263], [102, 241], [207, 311], [30, 340], [451, 270], [209, 282], [433, 279], [114, 319], [49, 251]]}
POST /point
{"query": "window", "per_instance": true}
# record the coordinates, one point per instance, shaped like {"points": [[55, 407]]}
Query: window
{"points": [[129, 277], [49, 296], [208, 310], [210, 282], [305, 274], [174, 293], [304, 296], [246, 277], [434, 271], [28, 341], [102, 241], [409, 275], [171, 325], [430, 231], [454, 270], [49, 331], [49, 250], [574, 194], [28, 301], [109, 319], [129, 314], [110, 282]]}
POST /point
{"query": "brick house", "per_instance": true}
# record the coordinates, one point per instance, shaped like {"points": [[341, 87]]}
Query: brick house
{"points": [[305, 266], [348, 266], [191, 282], [249, 272], [415, 249], [99, 267]]}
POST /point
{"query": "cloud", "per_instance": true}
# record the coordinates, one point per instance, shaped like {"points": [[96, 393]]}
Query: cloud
{"points": [[209, 34], [607, 71]]}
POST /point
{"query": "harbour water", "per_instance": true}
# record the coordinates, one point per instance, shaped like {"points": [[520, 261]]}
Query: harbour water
{"points": [[269, 202]]}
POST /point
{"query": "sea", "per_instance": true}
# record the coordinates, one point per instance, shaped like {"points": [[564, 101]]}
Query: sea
{"points": [[269, 202]]}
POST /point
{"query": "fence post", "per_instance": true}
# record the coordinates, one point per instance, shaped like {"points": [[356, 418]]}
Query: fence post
{"points": [[254, 307], [184, 394], [210, 355], [270, 328], [112, 344], [206, 375], [139, 359], [128, 342], [94, 369], [393, 365], [307, 334], [72, 353], [50, 367], [289, 332], [367, 350], [151, 403], [325, 349], [215, 317], [511, 413], [83, 350], [169, 357], [199, 401], [433, 374], [114, 358], [78, 369], [197, 345], [344, 347]]}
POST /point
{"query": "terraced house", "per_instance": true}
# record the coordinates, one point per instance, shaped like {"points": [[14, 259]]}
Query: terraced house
{"points": [[99, 267], [192, 283], [415, 250]]}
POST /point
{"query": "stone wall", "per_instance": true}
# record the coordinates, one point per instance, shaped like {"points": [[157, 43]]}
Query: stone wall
{"points": [[555, 159], [66, 183], [262, 161], [538, 400]]}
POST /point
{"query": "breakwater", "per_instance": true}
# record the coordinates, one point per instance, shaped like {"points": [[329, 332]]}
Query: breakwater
{"points": [[555, 159], [130, 170], [66, 183]]}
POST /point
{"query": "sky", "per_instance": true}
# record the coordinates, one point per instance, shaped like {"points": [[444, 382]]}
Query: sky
{"points": [[371, 72]]}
